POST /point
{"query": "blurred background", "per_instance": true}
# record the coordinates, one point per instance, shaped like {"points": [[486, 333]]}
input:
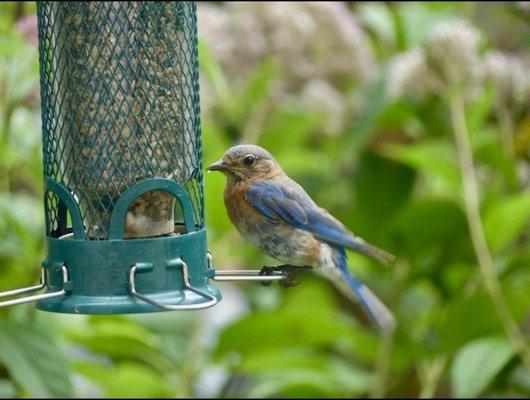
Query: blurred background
{"points": [[410, 122]]}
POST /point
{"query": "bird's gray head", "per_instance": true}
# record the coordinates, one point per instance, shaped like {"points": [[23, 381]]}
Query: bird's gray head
{"points": [[247, 161]]}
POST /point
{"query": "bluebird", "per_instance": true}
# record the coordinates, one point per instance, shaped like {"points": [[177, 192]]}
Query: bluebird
{"points": [[277, 216]]}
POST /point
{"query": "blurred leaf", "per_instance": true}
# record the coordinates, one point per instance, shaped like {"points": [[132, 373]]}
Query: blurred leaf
{"points": [[297, 382], [456, 275], [34, 360], [120, 339], [375, 100], [328, 379], [477, 363], [286, 128], [420, 307], [417, 18], [7, 389], [479, 110], [520, 377], [504, 175], [125, 379], [516, 287], [213, 71], [377, 17], [435, 159], [505, 219], [306, 318], [24, 214], [382, 187], [256, 87], [425, 224], [460, 324]]}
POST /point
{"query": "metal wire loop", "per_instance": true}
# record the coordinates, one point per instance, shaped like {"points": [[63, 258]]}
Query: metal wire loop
{"points": [[43, 283], [243, 275], [187, 286]]}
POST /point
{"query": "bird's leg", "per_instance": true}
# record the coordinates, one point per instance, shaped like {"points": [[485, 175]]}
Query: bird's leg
{"points": [[290, 271]]}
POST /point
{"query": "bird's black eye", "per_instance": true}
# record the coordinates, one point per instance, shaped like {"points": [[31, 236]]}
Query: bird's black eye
{"points": [[249, 160]]}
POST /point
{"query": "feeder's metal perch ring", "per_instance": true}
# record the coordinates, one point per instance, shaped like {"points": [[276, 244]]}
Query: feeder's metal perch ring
{"points": [[43, 283], [212, 300]]}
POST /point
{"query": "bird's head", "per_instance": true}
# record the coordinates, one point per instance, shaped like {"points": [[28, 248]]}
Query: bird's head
{"points": [[247, 162]]}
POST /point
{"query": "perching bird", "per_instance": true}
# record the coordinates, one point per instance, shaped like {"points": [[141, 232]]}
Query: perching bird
{"points": [[280, 219]]}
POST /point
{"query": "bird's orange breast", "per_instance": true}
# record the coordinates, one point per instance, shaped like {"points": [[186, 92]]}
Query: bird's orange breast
{"points": [[239, 210]]}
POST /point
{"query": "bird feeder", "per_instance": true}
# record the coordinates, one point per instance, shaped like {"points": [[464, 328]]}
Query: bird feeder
{"points": [[124, 204]]}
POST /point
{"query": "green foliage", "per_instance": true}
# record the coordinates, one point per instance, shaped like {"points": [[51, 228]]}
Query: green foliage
{"points": [[477, 363], [505, 220], [34, 361], [390, 173]]}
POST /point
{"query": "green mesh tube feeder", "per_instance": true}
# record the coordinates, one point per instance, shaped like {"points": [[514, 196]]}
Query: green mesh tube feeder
{"points": [[124, 203]]}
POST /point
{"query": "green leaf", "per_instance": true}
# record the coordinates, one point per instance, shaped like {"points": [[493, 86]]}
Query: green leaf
{"points": [[427, 224], [377, 17], [375, 102], [382, 187], [520, 378], [257, 86], [213, 71], [478, 111], [476, 365], [418, 18], [121, 339], [7, 389], [34, 361], [455, 327], [297, 123], [291, 373], [296, 382], [308, 317], [434, 159], [506, 219], [127, 379]]}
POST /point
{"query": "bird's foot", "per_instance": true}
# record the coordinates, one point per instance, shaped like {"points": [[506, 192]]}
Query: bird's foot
{"points": [[291, 273]]}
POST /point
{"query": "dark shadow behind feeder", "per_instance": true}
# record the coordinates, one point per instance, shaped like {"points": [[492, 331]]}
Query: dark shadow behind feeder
{"points": [[123, 161]]}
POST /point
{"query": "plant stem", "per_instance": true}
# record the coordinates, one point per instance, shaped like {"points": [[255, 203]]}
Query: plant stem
{"points": [[432, 377], [382, 365], [386, 344], [471, 202]]}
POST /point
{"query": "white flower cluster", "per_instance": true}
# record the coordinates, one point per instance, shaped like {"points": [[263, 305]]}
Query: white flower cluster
{"points": [[511, 74], [449, 57], [319, 47]]}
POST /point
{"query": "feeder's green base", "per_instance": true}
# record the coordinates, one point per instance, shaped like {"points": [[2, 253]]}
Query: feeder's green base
{"points": [[99, 274], [121, 304]]}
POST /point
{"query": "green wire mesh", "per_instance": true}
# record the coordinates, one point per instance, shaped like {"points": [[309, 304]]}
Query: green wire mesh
{"points": [[120, 104]]}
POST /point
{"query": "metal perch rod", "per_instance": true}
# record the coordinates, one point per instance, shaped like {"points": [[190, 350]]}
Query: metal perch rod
{"points": [[247, 275]]}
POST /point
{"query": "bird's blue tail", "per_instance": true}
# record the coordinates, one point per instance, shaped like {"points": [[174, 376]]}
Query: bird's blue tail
{"points": [[377, 311]]}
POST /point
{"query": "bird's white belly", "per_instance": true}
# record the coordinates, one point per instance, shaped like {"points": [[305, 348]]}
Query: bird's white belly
{"points": [[287, 244]]}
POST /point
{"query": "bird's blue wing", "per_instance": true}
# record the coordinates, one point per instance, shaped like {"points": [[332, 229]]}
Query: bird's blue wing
{"points": [[288, 202], [285, 200]]}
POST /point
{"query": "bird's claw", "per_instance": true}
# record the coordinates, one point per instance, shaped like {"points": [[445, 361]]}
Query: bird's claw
{"points": [[291, 273], [266, 270]]}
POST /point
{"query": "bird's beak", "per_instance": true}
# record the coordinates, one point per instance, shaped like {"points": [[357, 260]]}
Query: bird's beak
{"points": [[217, 166]]}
